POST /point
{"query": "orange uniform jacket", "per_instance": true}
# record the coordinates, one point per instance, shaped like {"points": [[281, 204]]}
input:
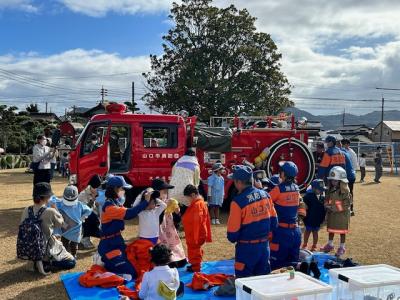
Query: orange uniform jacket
{"points": [[201, 281], [138, 254], [196, 223], [99, 276]]}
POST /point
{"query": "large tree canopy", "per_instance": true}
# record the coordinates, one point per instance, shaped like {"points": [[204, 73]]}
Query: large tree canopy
{"points": [[216, 63]]}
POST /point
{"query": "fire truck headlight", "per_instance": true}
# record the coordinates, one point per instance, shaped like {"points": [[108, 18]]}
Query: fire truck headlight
{"points": [[73, 179]]}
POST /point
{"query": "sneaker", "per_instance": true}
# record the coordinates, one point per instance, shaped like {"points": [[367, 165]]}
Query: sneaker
{"points": [[87, 243], [330, 264], [314, 248], [340, 251], [315, 270], [327, 248], [304, 246], [213, 221], [217, 222], [349, 263]]}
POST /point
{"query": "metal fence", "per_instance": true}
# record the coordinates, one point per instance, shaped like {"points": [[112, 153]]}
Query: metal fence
{"points": [[390, 155]]}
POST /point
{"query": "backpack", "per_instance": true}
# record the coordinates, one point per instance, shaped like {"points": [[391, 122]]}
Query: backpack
{"points": [[31, 243]]}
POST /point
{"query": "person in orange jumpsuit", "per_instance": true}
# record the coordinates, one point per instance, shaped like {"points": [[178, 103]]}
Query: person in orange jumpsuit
{"points": [[197, 227]]}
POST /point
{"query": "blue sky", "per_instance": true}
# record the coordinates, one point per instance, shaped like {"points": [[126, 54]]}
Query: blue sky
{"points": [[337, 49], [49, 33]]}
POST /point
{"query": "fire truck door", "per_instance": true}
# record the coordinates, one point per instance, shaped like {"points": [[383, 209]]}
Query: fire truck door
{"points": [[94, 152]]}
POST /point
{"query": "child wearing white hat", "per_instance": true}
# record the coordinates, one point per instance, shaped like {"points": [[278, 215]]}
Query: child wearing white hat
{"points": [[216, 191], [74, 213], [337, 203]]}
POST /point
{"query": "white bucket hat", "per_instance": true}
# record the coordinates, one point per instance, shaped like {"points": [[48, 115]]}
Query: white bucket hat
{"points": [[70, 196]]}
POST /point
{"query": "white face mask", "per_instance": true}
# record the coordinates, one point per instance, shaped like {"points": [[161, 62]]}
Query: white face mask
{"points": [[121, 197], [43, 142]]}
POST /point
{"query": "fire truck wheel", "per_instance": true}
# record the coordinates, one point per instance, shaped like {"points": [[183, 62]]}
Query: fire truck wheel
{"points": [[296, 151]]}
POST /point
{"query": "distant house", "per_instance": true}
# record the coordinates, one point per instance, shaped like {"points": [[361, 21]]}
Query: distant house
{"points": [[352, 130], [390, 132], [49, 117], [98, 109]]}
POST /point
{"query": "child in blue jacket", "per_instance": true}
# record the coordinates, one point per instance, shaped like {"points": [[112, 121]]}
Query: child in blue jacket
{"points": [[216, 192], [74, 213]]}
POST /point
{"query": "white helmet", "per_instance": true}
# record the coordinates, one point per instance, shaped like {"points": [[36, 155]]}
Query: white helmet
{"points": [[338, 173]]}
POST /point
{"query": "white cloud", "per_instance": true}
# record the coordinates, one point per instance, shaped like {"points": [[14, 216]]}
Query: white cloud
{"points": [[24, 5], [98, 8], [71, 78]]}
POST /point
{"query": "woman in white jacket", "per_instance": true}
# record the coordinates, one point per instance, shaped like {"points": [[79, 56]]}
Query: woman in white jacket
{"points": [[185, 171]]}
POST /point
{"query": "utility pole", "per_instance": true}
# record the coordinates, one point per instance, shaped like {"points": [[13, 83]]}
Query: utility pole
{"points": [[103, 93], [46, 108], [74, 112], [344, 116], [134, 104], [383, 108]]}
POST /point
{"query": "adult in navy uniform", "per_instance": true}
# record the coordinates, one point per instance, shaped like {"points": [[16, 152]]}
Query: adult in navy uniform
{"points": [[251, 220]]}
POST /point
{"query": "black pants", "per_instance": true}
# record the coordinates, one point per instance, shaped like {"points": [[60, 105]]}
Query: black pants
{"points": [[72, 247], [41, 175], [362, 170], [91, 226]]}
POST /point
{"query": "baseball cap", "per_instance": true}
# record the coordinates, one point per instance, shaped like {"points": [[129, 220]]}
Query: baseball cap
{"points": [[318, 184], [330, 138], [241, 172], [42, 189], [217, 166], [118, 181], [159, 184], [70, 196]]}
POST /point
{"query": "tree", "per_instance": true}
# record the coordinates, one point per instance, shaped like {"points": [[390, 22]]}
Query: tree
{"points": [[216, 63], [132, 106], [32, 108]]}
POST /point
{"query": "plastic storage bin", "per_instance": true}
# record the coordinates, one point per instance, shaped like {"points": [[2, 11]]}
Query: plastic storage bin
{"points": [[376, 282], [280, 286]]}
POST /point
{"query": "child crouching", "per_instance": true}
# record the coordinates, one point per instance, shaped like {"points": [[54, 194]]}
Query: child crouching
{"points": [[338, 201], [162, 282], [197, 227]]}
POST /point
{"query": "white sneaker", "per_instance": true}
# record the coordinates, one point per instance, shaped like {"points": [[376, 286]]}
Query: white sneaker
{"points": [[213, 221], [217, 222]]}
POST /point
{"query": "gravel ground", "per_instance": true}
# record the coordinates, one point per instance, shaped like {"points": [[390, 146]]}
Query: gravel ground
{"points": [[374, 237]]}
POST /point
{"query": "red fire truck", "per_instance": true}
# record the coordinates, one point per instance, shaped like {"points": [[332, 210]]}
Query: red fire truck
{"points": [[141, 147]]}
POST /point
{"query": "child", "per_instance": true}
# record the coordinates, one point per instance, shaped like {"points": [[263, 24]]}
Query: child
{"points": [[197, 227], [51, 219], [73, 212], [63, 164], [149, 219], [286, 238], [337, 203], [168, 233], [362, 163], [315, 212], [216, 192], [162, 282], [91, 226]]}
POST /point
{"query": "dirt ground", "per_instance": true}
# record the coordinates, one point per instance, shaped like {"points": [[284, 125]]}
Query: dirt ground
{"points": [[374, 237]]}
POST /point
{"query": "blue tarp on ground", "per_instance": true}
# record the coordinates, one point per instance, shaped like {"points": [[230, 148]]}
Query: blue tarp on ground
{"points": [[77, 292]]}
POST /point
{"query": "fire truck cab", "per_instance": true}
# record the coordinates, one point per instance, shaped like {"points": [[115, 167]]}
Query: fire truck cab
{"points": [[139, 147]]}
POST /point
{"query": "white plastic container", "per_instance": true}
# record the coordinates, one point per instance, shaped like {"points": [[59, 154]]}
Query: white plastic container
{"points": [[366, 283], [281, 287]]}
